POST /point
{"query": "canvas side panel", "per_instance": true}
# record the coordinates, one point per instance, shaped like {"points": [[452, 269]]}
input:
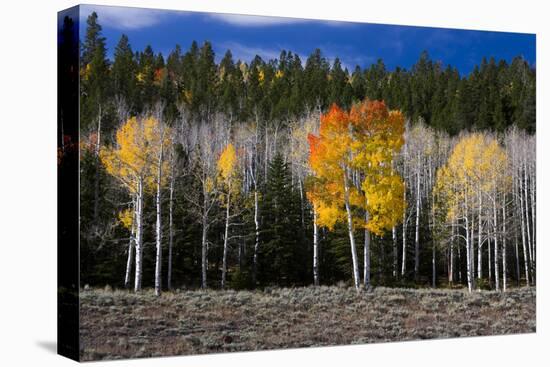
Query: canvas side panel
{"points": [[68, 183]]}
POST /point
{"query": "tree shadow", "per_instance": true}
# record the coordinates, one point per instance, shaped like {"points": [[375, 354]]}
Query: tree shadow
{"points": [[48, 345]]}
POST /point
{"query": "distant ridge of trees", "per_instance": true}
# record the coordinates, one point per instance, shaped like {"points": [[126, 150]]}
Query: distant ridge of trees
{"points": [[494, 95]]}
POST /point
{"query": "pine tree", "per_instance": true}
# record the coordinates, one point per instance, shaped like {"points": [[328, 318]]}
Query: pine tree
{"points": [[283, 252], [124, 71]]}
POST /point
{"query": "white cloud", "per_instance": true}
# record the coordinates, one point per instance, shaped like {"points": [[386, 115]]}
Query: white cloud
{"points": [[124, 18], [247, 53], [254, 20], [267, 21]]}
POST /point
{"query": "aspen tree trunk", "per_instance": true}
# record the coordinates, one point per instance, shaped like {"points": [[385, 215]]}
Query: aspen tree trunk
{"points": [[315, 248], [158, 262], [533, 220], [96, 181], [266, 153], [489, 261], [302, 215], [170, 228], [395, 260], [479, 241], [355, 262], [472, 242], [130, 247], [451, 255], [468, 258], [139, 236], [495, 236], [504, 282], [518, 271], [417, 228], [366, 254], [433, 265], [226, 236], [204, 243], [527, 224], [459, 265], [524, 245], [257, 237], [404, 246]]}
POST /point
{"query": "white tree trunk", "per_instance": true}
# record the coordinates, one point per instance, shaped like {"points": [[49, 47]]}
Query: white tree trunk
{"points": [[226, 237], [479, 241], [158, 259], [366, 255], [404, 245], [394, 241], [459, 268], [533, 219], [315, 249], [302, 214], [489, 261], [473, 249], [527, 224], [495, 236], [524, 245], [139, 236], [504, 234], [257, 237], [434, 275], [130, 247], [170, 229], [204, 241], [96, 181], [518, 271], [417, 228], [468, 258], [451, 255], [355, 261]]}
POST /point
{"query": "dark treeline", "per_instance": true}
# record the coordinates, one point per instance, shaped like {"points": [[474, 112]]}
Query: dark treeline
{"points": [[189, 88]]}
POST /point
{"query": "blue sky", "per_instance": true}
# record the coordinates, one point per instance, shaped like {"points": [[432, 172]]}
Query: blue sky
{"points": [[354, 43]]}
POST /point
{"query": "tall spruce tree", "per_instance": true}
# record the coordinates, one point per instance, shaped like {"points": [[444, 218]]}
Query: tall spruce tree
{"points": [[283, 251]]}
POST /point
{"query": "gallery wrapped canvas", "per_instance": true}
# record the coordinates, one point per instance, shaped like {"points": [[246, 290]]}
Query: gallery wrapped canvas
{"points": [[237, 183]]}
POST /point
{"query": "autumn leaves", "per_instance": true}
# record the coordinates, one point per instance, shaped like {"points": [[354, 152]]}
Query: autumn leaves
{"points": [[351, 180], [353, 177], [138, 162], [474, 184]]}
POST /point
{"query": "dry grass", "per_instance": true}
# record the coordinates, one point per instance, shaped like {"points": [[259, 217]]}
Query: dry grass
{"points": [[117, 324]]}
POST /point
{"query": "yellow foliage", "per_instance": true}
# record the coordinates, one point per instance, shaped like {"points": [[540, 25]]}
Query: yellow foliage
{"points": [[85, 71], [209, 185], [476, 166], [227, 162], [187, 96], [365, 141], [329, 214], [126, 217], [136, 155]]}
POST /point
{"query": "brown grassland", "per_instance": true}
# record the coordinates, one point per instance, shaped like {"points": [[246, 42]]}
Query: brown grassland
{"points": [[119, 324]]}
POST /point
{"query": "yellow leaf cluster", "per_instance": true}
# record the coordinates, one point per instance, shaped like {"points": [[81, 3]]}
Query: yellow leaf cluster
{"points": [[227, 162], [126, 218], [363, 141], [476, 166], [135, 157]]}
